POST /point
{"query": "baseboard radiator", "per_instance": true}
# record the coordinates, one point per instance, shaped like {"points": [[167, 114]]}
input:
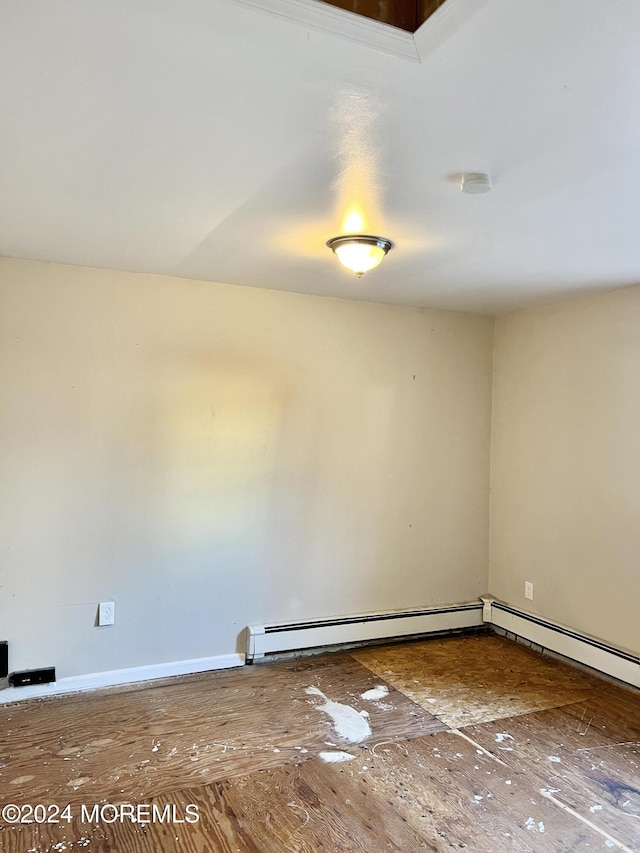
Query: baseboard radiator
{"points": [[553, 637], [548, 636], [296, 636]]}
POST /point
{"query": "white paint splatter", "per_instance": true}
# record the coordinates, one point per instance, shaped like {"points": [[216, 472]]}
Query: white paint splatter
{"points": [[348, 723], [335, 757], [378, 692], [502, 736]]}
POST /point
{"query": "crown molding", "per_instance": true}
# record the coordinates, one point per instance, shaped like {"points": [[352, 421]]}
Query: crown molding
{"points": [[416, 47], [444, 22], [330, 19]]}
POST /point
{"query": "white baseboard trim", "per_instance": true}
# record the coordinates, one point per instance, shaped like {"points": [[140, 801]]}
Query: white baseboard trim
{"points": [[294, 636], [114, 677], [587, 650]]}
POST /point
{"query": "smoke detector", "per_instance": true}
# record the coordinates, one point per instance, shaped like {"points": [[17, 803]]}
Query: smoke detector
{"points": [[475, 183]]}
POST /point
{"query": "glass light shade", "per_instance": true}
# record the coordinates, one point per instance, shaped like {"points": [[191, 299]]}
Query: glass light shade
{"points": [[359, 252]]}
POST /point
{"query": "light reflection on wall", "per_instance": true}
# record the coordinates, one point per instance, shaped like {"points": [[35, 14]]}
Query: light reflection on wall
{"points": [[353, 223], [358, 183]]}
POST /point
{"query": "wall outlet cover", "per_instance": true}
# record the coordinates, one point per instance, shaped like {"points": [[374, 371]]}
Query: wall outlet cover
{"points": [[106, 613]]}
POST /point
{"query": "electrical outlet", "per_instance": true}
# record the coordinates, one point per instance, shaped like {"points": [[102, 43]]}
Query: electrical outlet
{"points": [[528, 590], [107, 613]]}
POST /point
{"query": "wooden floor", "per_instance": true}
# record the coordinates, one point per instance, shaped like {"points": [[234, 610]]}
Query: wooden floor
{"points": [[471, 743]]}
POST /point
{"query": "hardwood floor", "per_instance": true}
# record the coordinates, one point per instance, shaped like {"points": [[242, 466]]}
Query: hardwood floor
{"points": [[471, 743]]}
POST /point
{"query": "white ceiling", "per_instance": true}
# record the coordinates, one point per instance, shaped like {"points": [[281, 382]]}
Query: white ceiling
{"points": [[215, 140]]}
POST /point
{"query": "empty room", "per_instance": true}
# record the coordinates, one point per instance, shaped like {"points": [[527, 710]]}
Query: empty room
{"points": [[319, 426]]}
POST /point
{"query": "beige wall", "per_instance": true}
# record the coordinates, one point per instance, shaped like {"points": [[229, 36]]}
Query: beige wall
{"points": [[565, 507], [212, 456]]}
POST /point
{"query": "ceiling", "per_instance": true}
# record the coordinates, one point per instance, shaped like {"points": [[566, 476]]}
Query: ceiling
{"points": [[227, 141]]}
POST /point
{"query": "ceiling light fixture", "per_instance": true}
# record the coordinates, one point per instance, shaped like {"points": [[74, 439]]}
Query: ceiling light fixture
{"points": [[359, 252], [475, 183]]}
